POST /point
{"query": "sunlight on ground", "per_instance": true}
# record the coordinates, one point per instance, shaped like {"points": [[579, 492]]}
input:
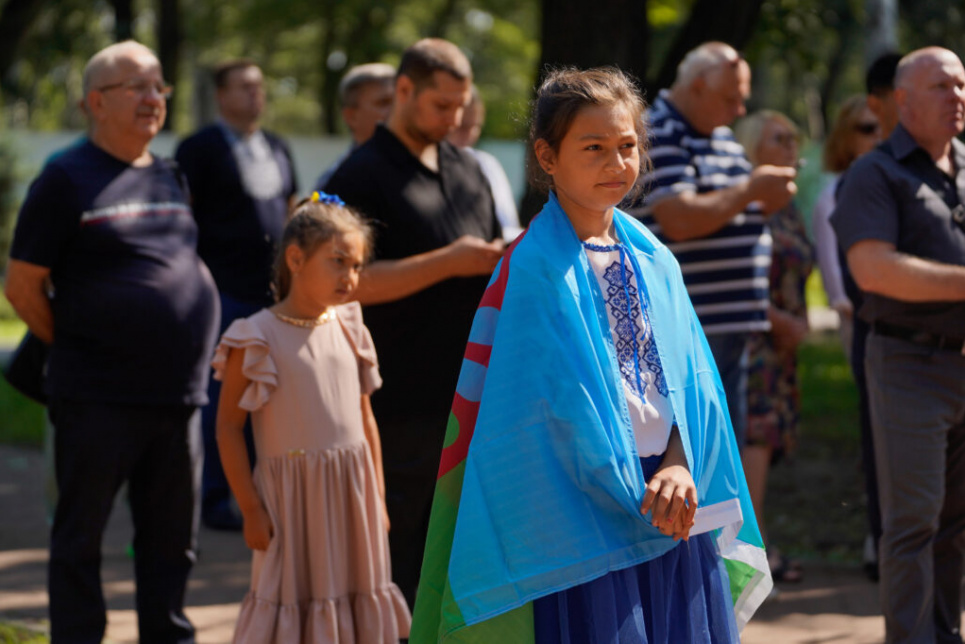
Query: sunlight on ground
{"points": [[810, 629], [214, 624]]}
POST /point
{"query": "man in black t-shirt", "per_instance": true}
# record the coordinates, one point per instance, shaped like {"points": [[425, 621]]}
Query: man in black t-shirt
{"points": [[437, 240], [104, 268], [900, 217], [242, 183]]}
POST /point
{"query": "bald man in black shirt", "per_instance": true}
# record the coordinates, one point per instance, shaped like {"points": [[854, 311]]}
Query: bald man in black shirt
{"points": [[900, 217]]}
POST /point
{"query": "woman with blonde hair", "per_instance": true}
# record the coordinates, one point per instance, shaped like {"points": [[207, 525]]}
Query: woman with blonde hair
{"points": [[770, 138]]}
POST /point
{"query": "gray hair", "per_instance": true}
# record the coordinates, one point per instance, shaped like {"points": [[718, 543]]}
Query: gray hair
{"points": [[702, 59], [359, 76]]}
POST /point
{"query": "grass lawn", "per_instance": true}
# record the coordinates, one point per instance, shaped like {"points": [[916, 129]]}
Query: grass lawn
{"points": [[815, 507], [10, 634], [11, 330], [21, 420]]}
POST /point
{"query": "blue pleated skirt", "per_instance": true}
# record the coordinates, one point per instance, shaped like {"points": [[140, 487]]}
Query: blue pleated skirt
{"points": [[682, 597]]}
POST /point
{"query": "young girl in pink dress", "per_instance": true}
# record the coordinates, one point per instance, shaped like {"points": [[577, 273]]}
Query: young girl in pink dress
{"points": [[314, 509]]}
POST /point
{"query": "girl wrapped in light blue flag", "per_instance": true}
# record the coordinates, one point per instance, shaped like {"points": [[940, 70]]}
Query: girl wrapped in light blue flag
{"points": [[590, 488]]}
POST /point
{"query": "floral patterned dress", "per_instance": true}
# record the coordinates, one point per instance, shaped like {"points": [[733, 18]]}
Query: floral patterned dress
{"points": [[773, 391]]}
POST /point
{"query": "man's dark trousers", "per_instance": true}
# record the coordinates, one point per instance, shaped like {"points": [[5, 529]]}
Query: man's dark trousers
{"points": [[917, 396], [156, 449], [411, 451]]}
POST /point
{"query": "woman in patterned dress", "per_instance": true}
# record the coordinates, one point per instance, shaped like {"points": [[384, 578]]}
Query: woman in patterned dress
{"points": [[770, 138]]}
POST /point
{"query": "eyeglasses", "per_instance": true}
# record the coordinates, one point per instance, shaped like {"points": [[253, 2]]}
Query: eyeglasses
{"points": [[135, 87], [867, 128]]}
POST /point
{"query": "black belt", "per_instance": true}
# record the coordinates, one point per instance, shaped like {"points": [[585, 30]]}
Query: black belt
{"points": [[924, 338]]}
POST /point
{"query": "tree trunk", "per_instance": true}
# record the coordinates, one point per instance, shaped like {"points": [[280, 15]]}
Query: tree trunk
{"points": [[587, 34], [882, 28], [15, 20], [123, 19], [730, 21], [328, 91], [437, 28], [836, 65], [169, 47]]}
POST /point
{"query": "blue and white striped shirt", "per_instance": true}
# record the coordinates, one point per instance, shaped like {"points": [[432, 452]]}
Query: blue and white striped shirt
{"points": [[726, 273]]}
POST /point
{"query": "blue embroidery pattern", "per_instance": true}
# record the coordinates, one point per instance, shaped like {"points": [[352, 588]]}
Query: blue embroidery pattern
{"points": [[633, 346]]}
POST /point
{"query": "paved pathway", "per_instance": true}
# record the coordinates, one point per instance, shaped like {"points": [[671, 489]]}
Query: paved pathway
{"points": [[834, 604]]}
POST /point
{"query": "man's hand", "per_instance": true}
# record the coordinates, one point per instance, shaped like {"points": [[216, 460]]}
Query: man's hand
{"points": [[26, 290], [773, 186], [468, 256], [388, 280]]}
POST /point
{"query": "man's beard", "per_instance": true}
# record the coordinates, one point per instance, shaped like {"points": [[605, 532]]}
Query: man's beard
{"points": [[422, 136]]}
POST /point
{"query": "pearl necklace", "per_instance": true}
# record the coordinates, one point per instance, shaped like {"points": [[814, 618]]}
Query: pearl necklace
{"points": [[327, 316]]}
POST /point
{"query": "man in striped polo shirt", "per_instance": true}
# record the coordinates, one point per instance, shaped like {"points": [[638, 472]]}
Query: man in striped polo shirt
{"points": [[706, 203]]}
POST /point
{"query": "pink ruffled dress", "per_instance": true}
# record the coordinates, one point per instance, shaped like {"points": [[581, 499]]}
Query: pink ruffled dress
{"points": [[325, 577]]}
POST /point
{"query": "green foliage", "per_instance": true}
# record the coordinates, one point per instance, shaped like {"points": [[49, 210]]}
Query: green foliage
{"points": [[7, 315], [666, 13], [44, 85], [829, 398], [12, 634], [504, 62], [8, 178], [932, 22], [829, 525], [22, 420], [304, 48], [807, 55]]}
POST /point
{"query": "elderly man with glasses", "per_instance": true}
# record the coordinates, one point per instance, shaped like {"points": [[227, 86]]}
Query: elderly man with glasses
{"points": [[707, 204], [104, 268]]}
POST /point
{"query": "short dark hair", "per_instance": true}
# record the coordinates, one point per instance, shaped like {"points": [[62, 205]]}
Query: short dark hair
{"points": [[564, 93], [880, 78], [430, 55], [223, 70]]}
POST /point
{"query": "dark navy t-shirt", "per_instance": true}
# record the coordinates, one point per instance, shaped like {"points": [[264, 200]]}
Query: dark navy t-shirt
{"points": [[135, 310], [239, 233]]}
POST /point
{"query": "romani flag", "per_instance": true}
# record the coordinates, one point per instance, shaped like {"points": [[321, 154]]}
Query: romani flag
{"points": [[540, 484]]}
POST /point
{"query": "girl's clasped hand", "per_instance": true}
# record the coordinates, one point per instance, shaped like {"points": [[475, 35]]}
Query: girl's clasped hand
{"points": [[671, 495], [671, 498]]}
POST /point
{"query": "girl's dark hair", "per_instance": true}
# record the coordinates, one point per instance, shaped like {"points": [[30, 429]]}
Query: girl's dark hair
{"points": [[563, 93], [311, 224]]}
